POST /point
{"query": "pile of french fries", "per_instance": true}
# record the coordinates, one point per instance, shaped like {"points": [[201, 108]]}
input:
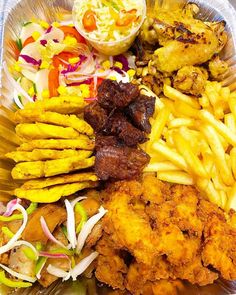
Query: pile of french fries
{"points": [[193, 142]]}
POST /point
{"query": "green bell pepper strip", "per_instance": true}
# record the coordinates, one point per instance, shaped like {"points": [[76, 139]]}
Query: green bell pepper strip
{"points": [[29, 253], [12, 284], [32, 207], [40, 263], [7, 232], [80, 209]]}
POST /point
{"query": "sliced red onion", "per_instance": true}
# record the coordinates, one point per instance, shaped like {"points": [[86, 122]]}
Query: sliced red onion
{"points": [[27, 244], [43, 42], [123, 60], [70, 224], [55, 41], [48, 30], [31, 60], [87, 82], [87, 228], [72, 76], [10, 206], [15, 85], [53, 255], [75, 201], [17, 235], [58, 272], [83, 265], [118, 70], [18, 275], [53, 33], [49, 234], [73, 68]]}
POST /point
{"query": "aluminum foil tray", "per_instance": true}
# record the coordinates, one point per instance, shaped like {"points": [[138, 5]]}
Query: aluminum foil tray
{"points": [[13, 13]]}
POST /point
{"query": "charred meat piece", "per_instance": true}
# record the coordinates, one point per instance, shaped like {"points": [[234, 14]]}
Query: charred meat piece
{"points": [[116, 95], [140, 112], [102, 140], [118, 125], [119, 162], [95, 115]]}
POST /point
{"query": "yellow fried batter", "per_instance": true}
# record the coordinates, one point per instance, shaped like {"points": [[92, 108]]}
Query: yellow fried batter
{"points": [[47, 154], [54, 193], [28, 116], [61, 104], [31, 170], [44, 131], [62, 179], [82, 142]]}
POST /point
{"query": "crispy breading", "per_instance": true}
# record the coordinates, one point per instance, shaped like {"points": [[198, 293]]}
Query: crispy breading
{"points": [[28, 131], [62, 179], [53, 193], [46, 154], [61, 104], [82, 142], [31, 170], [35, 115]]}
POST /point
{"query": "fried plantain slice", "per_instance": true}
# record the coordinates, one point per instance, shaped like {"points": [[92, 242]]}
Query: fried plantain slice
{"points": [[54, 193], [61, 104], [38, 169], [30, 116], [82, 142], [62, 179], [47, 154], [45, 131]]}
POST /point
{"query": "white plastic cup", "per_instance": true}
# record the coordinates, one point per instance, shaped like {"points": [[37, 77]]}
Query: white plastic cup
{"points": [[111, 47]]}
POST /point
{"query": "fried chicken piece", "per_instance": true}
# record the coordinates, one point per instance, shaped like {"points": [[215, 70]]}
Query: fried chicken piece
{"points": [[31, 116], [120, 162], [110, 265], [140, 111], [217, 67], [167, 287], [112, 94], [191, 80]]}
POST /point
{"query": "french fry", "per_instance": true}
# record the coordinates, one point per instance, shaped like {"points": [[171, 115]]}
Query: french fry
{"points": [[208, 162], [207, 187], [170, 155], [161, 166], [184, 148], [223, 198], [179, 96], [233, 161], [204, 101], [231, 203], [230, 122], [225, 94], [158, 126], [176, 177], [179, 122], [232, 106], [219, 126], [219, 153], [185, 109]]}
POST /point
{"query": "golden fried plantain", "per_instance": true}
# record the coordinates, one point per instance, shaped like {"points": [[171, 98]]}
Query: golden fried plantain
{"points": [[62, 179], [54, 215], [31, 116], [45, 131], [47, 154], [31, 170], [54, 193], [83, 142], [61, 104]]}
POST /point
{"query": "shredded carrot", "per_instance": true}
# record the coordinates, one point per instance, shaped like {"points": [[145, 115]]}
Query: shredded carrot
{"points": [[28, 41], [53, 82]]}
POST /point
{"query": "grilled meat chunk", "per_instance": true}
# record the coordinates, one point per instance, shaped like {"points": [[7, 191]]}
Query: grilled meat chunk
{"points": [[116, 95], [95, 115], [120, 162], [140, 112]]}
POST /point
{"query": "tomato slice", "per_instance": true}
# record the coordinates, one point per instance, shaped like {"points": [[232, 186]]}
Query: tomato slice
{"points": [[28, 41], [63, 56], [71, 31], [89, 21], [53, 82]]}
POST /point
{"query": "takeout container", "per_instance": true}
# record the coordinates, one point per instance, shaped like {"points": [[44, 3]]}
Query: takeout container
{"points": [[112, 47], [212, 10]]}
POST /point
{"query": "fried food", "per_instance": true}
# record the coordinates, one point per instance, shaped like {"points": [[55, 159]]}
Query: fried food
{"points": [[54, 215], [46, 154], [177, 235], [35, 115], [61, 105], [83, 143], [53, 193], [31, 170], [45, 131], [62, 179]]}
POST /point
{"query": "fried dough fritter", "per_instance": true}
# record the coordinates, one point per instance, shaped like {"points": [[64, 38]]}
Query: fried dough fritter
{"points": [[62, 179], [178, 235], [35, 115], [46, 154], [53, 193], [31, 170], [61, 105], [29, 131], [83, 143]]}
